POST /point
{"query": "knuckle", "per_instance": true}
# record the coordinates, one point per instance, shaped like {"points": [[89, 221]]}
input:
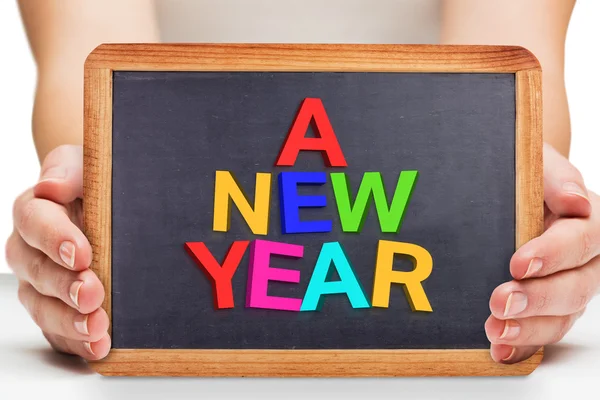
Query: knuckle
{"points": [[22, 293], [49, 237], [55, 342], [576, 174], [46, 282], [58, 344], [541, 301], [19, 203], [582, 301], [563, 326], [586, 243], [583, 291], [35, 270], [10, 251], [532, 334], [579, 313], [25, 213], [60, 281], [66, 323], [33, 216], [57, 286], [35, 310]]}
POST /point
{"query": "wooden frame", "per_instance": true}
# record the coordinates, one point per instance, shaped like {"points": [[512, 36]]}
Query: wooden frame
{"points": [[341, 58]]}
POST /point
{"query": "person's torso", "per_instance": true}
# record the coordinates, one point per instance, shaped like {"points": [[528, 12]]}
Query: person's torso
{"points": [[306, 21]]}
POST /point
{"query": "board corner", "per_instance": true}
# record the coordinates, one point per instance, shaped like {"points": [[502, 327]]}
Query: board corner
{"points": [[100, 367], [95, 56], [530, 60]]}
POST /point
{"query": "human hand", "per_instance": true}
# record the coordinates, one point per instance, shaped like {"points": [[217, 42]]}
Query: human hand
{"points": [[51, 257], [555, 275]]}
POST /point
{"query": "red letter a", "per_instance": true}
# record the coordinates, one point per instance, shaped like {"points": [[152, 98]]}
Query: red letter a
{"points": [[326, 142], [219, 275]]}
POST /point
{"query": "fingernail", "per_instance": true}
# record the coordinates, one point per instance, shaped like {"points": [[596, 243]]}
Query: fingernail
{"points": [[511, 330], [74, 292], [67, 253], [516, 303], [573, 188], [512, 353], [88, 347], [534, 266], [53, 174], [81, 324]]}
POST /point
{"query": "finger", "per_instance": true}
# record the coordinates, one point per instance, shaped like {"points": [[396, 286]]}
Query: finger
{"points": [[534, 331], [565, 193], [563, 293], [61, 178], [568, 243], [46, 226], [55, 317], [80, 290], [505, 354], [88, 350]]}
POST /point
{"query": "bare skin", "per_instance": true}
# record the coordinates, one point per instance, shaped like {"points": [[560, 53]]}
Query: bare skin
{"points": [[538, 25], [61, 34], [555, 275]]}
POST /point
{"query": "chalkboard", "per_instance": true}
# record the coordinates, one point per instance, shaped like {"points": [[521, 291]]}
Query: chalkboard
{"points": [[174, 130]]}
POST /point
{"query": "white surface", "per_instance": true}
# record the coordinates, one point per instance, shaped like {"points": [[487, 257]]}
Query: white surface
{"points": [[29, 368], [583, 86], [18, 161], [306, 21]]}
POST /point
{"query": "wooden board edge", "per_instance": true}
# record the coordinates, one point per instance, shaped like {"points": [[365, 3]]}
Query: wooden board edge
{"points": [[294, 363], [529, 190], [529, 171], [312, 57], [97, 174], [308, 363]]}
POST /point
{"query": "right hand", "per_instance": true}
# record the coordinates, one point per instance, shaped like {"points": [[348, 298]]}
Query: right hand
{"points": [[51, 256]]}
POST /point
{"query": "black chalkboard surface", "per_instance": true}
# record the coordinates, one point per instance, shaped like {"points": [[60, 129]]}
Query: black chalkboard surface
{"points": [[174, 130]]}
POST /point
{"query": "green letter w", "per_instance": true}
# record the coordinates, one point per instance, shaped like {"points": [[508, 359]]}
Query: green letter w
{"points": [[390, 218]]}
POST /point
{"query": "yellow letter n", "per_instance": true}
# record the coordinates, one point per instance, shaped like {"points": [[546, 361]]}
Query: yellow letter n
{"points": [[227, 188]]}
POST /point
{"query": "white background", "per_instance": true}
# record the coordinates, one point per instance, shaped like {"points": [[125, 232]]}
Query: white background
{"points": [[19, 165], [28, 369], [18, 160]]}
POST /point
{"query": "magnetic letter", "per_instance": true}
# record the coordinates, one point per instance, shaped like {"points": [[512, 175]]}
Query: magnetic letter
{"points": [[390, 218], [326, 142], [259, 275], [227, 188], [332, 253], [385, 275], [291, 202], [220, 276]]}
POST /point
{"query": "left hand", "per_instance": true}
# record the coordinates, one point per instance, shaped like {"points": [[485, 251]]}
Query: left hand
{"points": [[555, 275]]}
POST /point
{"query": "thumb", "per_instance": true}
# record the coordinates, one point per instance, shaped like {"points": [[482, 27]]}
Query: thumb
{"points": [[61, 177], [565, 193]]}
